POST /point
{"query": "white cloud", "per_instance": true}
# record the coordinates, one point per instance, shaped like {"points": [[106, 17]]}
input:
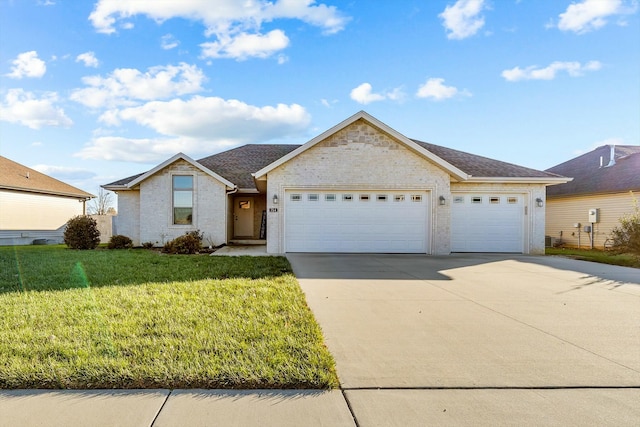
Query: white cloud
{"points": [[27, 64], [27, 109], [243, 46], [574, 69], [64, 173], [590, 15], [364, 94], [227, 20], [124, 86], [282, 59], [434, 88], [199, 126], [463, 19], [89, 59], [168, 41], [141, 150]]}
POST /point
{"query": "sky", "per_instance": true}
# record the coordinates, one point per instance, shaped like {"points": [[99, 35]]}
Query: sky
{"points": [[95, 91]]}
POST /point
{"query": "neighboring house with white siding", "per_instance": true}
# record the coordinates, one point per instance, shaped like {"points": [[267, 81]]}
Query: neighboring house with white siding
{"points": [[34, 206], [361, 186], [606, 182]]}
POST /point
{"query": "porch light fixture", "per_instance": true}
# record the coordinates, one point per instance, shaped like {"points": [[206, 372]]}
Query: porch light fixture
{"points": [[442, 200], [275, 199], [539, 202]]}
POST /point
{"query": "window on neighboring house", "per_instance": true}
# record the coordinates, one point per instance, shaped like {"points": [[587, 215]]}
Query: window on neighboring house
{"points": [[182, 199]]}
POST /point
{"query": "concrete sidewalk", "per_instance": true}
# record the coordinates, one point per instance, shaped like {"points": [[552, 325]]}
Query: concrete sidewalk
{"points": [[459, 340], [164, 408]]}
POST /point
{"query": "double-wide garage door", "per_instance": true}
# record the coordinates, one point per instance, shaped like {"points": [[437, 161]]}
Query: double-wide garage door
{"points": [[485, 222], [356, 221]]}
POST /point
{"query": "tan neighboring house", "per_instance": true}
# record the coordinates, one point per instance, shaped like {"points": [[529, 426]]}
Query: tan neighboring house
{"points": [[35, 207], [605, 182], [361, 186]]}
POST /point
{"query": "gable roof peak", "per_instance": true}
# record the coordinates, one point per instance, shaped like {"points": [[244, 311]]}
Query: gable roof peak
{"points": [[412, 145]]}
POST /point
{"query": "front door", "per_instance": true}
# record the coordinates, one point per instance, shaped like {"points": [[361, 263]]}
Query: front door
{"points": [[243, 217]]}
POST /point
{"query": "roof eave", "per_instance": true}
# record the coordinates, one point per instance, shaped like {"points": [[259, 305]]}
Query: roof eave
{"points": [[519, 180], [122, 187], [85, 196], [593, 193]]}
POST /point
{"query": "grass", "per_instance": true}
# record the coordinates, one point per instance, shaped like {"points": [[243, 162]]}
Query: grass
{"points": [[139, 319], [596, 255]]}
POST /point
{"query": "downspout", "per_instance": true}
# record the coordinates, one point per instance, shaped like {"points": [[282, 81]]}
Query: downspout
{"points": [[226, 210]]}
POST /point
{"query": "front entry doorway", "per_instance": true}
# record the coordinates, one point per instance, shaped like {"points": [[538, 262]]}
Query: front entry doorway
{"points": [[243, 216]]}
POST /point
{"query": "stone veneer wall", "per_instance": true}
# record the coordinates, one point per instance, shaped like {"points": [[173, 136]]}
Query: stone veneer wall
{"points": [[359, 156]]}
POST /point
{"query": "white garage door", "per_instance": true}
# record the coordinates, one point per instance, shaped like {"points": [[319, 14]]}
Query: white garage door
{"points": [[356, 221], [487, 223]]}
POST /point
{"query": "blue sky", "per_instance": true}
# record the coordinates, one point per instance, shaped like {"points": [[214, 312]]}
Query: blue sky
{"points": [[91, 92]]}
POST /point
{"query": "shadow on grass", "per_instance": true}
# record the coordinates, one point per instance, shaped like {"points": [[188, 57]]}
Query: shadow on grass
{"points": [[40, 268]]}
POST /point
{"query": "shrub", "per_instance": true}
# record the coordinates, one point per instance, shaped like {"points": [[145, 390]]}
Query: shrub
{"points": [[626, 236], [82, 233], [119, 241], [190, 243], [148, 245]]}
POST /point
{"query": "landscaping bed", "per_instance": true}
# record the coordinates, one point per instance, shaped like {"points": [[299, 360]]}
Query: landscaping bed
{"points": [[597, 255], [140, 319]]}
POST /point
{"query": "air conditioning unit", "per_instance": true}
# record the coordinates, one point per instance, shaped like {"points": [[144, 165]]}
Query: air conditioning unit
{"points": [[549, 242]]}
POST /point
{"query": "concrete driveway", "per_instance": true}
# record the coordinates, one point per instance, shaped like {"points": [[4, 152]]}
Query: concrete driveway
{"points": [[458, 338]]}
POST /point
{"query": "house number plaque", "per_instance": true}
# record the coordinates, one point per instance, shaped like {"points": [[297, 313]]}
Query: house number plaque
{"points": [[273, 209]]}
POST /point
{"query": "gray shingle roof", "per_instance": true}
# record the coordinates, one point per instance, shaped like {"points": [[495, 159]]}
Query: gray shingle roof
{"points": [[590, 178], [14, 176], [237, 165], [483, 166]]}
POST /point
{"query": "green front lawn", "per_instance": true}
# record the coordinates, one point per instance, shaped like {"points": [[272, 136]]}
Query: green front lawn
{"points": [[139, 319], [597, 255]]}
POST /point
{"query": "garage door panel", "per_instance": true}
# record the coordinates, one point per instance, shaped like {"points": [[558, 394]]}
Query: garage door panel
{"points": [[482, 222], [379, 224]]}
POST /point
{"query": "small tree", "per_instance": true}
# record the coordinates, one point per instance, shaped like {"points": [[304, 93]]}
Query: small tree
{"points": [[82, 233], [626, 236], [101, 204]]}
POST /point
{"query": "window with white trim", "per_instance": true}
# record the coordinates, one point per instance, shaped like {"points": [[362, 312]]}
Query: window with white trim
{"points": [[364, 197], [313, 197], [296, 197], [381, 197], [416, 198], [398, 198], [182, 188], [330, 197]]}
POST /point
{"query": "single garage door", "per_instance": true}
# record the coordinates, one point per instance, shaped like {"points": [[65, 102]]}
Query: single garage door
{"points": [[487, 223], [356, 221]]}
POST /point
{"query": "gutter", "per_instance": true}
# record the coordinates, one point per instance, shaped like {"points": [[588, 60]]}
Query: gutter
{"points": [[85, 196]]}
